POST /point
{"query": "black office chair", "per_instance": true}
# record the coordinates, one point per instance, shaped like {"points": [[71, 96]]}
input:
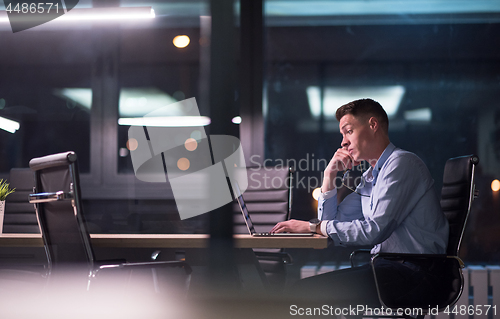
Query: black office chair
{"points": [[457, 195], [269, 201], [20, 215], [62, 222]]}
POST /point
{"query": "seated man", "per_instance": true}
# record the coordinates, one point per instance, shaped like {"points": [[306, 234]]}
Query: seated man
{"points": [[395, 209]]}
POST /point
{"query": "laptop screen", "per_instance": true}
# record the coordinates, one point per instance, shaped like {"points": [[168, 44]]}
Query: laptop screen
{"points": [[246, 215], [244, 210]]}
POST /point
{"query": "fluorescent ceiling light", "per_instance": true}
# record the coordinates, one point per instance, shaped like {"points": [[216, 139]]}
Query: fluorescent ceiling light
{"points": [[134, 102], [162, 109], [100, 14], [81, 96], [167, 121], [334, 97], [9, 125], [378, 7], [419, 115], [118, 13]]}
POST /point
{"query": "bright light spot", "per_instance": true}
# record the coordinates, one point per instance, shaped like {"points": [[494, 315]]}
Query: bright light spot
{"points": [[334, 97], [135, 102], [132, 102], [236, 120], [81, 96], [181, 41], [419, 115], [132, 144], [9, 125], [123, 152], [495, 185], [166, 121], [316, 192], [191, 144], [119, 13], [183, 164]]}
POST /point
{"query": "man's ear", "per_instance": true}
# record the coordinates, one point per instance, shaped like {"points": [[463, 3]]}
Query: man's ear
{"points": [[374, 124]]}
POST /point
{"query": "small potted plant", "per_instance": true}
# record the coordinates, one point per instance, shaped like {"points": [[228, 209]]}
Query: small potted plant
{"points": [[4, 191]]}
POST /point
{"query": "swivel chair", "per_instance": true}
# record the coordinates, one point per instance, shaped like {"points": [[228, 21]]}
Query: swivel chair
{"points": [[66, 239], [269, 200], [457, 195]]}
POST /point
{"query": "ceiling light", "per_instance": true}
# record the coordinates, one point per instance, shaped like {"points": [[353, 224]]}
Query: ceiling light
{"points": [[81, 96], [419, 115], [377, 7], [334, 97], [166, 121], [134, 102], [9, 125], [103, 14], [181, 41], [236, 120], [495, 185]]}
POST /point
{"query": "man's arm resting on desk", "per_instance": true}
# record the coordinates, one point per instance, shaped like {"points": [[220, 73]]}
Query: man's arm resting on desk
{"points": [[297, 226]]}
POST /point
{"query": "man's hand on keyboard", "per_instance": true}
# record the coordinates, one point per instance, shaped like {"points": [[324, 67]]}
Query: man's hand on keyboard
{"points": [[291, 226]]}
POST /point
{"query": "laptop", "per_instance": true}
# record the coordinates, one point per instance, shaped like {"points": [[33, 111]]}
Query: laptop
{"points": [[249, 223]]}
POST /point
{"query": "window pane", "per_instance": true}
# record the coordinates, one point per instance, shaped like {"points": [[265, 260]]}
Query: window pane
{"points": [[165, 73], [45, 88], [434, 69]]}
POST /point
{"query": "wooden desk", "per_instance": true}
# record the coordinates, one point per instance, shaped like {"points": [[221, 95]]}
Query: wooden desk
{"points": [[172, 241], [250, 273]]}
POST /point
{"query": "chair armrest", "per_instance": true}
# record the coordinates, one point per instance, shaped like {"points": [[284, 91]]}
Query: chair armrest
{"points": [[50, 197], [265, 255], [357, 252]]}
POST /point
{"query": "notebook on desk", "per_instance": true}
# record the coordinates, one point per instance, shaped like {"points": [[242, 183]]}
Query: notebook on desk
{"points": [[249, 223]]}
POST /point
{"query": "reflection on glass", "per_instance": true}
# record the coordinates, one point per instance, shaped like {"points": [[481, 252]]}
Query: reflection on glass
{"points": [[431, 65], [388, 96]]}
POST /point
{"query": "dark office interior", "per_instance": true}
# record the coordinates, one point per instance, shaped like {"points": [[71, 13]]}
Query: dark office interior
{"points": [[281, 67]]}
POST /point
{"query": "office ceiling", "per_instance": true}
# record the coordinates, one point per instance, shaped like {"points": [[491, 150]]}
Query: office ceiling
{"points": [[341, 12], [186, 13]]}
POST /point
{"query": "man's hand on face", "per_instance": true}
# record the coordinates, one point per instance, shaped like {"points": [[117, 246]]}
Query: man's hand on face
{"points": [[340, 161], [291, 226]]}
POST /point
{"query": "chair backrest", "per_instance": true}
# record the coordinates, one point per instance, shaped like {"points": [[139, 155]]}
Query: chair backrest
{"points": [[268, 198], [457, 195], [20, 215], [58, 203]]}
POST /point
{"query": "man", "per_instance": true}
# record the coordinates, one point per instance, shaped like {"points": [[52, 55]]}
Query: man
{"points": [[395, 209]]}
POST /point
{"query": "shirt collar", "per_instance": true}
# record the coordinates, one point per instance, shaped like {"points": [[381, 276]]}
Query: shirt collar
{"points": [[381, 161]]}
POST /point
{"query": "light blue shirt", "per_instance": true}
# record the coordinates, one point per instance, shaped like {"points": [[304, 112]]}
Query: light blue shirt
{"points": [[401, 215]]}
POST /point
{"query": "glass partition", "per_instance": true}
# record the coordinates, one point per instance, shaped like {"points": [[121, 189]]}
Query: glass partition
{"points": [[45, 95], [433, 65]]}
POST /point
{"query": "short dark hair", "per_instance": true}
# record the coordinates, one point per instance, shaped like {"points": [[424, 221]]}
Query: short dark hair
{"points": [[364, 107]]}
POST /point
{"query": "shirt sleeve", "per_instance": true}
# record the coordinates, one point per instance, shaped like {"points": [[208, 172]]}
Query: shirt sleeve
{"points": [[329, 211], [398, 189]]}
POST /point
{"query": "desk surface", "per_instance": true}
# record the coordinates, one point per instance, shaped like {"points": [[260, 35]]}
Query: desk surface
{"points": [[172, 241]]}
